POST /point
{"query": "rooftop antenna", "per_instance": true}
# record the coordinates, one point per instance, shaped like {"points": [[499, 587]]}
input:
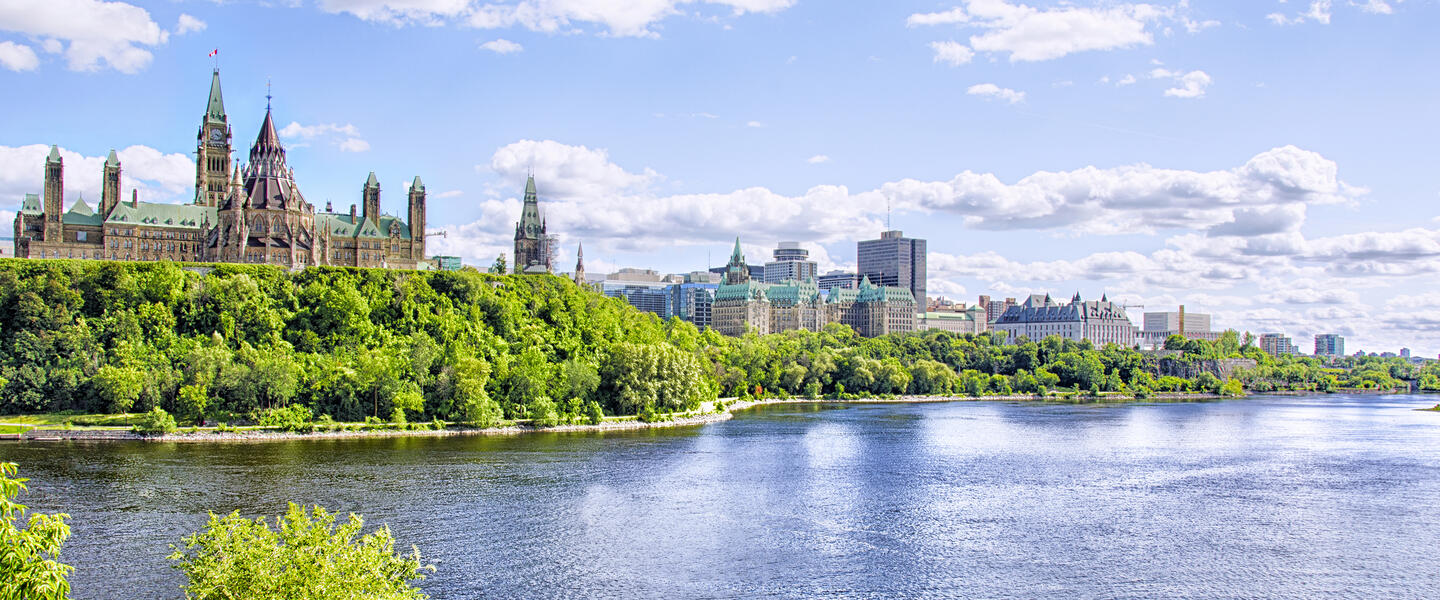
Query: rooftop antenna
{"points": [[887, 214]]}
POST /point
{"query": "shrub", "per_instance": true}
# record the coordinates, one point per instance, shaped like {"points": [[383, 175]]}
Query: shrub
{"points": [[542, 413], [594, 413], [437, 424], [155, 422], [294, 418]]}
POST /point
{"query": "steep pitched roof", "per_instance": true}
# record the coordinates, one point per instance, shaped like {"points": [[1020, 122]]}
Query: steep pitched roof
{"points": [[216, 107], [31, 205], [54, 154], [112, 160], [81, 214], [371, 182]]}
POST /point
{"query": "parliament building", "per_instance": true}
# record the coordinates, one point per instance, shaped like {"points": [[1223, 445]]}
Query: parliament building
{"points": [[253, 213]]}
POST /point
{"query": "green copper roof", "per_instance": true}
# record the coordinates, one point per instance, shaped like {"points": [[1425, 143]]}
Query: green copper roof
{"points": [[112, 160], [530, 189], [791, 292], [530, 227], [371, 182], [416, 185], [736, 257], [154, 214], [31, 205], [54, 154], [341, 226], [216, 110], [748, 291], [81, 214]]}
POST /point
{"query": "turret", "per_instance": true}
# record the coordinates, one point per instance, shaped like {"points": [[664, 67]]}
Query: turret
{"points": [[580, 264], [736, 271], [416, 216], [54, 193], [110, 185], [370, 199]]}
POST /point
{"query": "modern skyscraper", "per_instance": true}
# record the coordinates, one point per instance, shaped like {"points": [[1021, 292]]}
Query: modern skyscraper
{"points": [[839, 279], [1329, 344], [894, 260], [791, 263]]}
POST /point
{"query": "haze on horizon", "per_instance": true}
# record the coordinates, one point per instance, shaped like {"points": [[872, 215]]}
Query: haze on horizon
{"points": [[1268, 162]]}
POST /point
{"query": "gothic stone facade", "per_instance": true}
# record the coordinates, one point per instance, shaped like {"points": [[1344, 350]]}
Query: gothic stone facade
{"points": [[744, 305], [253, 214]]}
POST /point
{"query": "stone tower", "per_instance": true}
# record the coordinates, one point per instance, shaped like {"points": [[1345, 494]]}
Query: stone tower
{"points": [[263, 217], [212, 151], [417, 219], [54, 194], [530, 234], [110, 185], [370, 199], [737, 271]]}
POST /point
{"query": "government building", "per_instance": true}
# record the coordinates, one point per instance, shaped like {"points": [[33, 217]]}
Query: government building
{"points": [[253, 213], [743, 305], [1102, 322]]}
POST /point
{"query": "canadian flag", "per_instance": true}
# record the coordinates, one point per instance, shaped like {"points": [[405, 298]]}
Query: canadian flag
{"points": [[214, 52]]}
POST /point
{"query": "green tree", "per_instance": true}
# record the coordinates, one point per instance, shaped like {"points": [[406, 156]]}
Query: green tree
{"points": [[498, 267], [307, 556], [117, 387], [29, 557]]}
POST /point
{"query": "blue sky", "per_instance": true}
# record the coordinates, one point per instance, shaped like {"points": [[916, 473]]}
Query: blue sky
{"points": [[1268, 162]]}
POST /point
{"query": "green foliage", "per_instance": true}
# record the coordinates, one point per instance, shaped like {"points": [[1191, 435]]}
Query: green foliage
{"points": [[294, 418], [307, 556], [542, 413], [29, 557], [1232, 387], [155, 422]]}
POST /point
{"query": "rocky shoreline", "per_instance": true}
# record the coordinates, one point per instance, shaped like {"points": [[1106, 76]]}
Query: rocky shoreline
{"points": [[705, 416]]}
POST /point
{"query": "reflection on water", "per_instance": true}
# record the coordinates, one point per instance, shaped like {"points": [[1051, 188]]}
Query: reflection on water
{"points": [[1308, 497]]}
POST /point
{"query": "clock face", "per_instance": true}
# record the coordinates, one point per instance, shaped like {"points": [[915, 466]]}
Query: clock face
{"points": [[216, 135]]}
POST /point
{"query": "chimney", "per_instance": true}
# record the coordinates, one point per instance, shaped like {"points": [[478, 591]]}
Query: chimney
{"points": [[352, 214], [1182, 319], [134, 198]]}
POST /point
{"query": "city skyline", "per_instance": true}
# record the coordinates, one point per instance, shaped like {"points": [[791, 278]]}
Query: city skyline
{"points": [[1150, 159]]}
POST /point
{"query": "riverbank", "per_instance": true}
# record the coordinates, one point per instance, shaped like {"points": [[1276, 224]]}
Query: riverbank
{"points": [[704, 415]]}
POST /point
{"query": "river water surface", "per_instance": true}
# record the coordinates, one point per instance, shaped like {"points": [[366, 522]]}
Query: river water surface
{"points": [[1273, 497]]}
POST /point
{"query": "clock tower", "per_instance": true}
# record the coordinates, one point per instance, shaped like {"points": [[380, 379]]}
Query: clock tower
{"points": [[212, 150], [530, 239]]}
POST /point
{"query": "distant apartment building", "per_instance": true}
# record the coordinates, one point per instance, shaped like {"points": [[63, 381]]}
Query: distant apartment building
{"points": [[1329, 344], [894, 260], [1100, 321], [839, 279], [1404, 353], [792, 263], [1276, 344], [448, 263], [1159, 326], [994, 308]]}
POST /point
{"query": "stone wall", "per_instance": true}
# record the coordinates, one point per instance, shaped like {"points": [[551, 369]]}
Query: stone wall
{"points": [[1224, 368]]}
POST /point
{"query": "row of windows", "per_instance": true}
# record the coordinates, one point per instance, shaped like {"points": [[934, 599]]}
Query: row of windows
{"points": [[145, 233]]}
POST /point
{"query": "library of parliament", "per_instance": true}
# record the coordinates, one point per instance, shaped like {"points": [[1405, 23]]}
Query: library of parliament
{"points": [[252, 214]]}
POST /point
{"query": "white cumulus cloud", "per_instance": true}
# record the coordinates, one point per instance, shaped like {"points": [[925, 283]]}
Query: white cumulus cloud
{"points": [[991, 90], [502, 46], [159, 177], [345, 137], [188, 24], [953, 53], [818, 159], [1027, 34], [18, 57], [94, 33]]}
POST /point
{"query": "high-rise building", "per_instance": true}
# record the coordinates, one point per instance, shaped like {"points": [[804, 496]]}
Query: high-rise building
{"points": [[253, 213], [1329, 344], [791, 263], [1276, 344], [1102, 322], [894, 260], [532, 244]]}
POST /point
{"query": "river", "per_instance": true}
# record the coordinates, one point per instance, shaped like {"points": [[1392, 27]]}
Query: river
{"points": [[1276, 497]]}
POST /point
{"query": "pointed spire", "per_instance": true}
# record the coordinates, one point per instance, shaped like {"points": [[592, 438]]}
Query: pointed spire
{"points": [[112, 160], [216, 108], [371, 182], [54, 154], [1104, 297], [416, 185], [736, 257], [1076, 299], [530, 195], [267, 138]]}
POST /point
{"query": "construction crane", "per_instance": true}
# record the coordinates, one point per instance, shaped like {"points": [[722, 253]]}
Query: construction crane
{"points": [[440, 233]]}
